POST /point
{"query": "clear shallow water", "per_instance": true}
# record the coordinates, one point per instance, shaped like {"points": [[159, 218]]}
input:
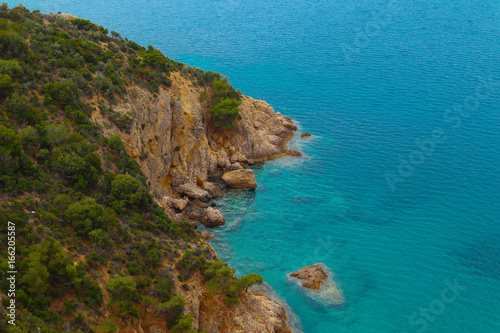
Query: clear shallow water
{"points": [[371, 81]]}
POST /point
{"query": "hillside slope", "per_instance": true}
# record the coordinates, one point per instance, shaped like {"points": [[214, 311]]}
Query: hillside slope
{"points": [[97, 132]]}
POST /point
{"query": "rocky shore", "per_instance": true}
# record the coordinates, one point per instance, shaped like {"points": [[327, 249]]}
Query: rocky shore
{"points": [[177, 148]]}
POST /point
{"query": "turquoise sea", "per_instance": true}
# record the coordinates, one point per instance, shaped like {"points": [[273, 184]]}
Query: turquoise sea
{"points": [[399, 189]]}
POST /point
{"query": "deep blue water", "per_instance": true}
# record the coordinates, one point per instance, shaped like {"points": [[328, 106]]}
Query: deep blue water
{"points": [[399, 190]]}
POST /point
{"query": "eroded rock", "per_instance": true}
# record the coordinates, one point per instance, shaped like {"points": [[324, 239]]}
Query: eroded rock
{"points": [[193, 191], [244, 178], [212, 217]]}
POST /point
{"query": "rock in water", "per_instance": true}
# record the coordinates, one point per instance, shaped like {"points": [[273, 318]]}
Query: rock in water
{"points": [[318, 284], [207, 235], [313, 275], [303, 135], [212, 217], [244, 178], [194, 192]]}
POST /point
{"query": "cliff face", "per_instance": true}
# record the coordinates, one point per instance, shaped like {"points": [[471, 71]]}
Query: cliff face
{"points": [[175, 143], [256, 312]]}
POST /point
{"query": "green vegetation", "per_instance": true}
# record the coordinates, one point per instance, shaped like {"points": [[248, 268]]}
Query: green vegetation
{"points": [[80, 203], [225, 103]]}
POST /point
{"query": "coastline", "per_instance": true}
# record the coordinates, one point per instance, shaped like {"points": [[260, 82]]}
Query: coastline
{"points": [[175, 146]]}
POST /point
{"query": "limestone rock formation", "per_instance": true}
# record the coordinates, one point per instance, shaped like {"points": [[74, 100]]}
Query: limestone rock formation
{"points": [[177, 143], [244, 178], [212, 217]]}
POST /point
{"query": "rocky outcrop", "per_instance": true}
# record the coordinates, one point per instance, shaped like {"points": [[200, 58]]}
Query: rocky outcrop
{"points": [[313, 276], [174, 141], [266, 316], [244, 178], [317, 283], [306, 134], [212, 217], [256, 313]]}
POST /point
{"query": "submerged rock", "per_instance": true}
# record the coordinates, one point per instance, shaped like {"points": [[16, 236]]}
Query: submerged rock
{"points": [[212, 217], [303, 135], [318, 284], [244, 178]]}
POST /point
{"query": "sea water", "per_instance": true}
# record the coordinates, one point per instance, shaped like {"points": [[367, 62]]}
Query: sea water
{"points": [[398, 191]]}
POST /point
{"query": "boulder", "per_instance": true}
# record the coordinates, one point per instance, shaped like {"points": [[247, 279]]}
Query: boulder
{"points": [[292, 152], [319, 285], [290, 125], [207, 235], [303, 135], [244, 178], [180, 204], [313, 276], [222, 159], [195, 215], [193, 191], [200, 203], [214, 189], [236, 166], [213, 204], [238, 157], [212, 217]]}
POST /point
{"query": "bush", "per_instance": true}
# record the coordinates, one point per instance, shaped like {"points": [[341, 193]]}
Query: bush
{"points": [[226, 112], [164, 288], [12, 44], [18, 105], [114, 142], [10, 150], [122, 289], [100, 238], [173, 309], [87, 215], [128, 189], [11, 67], [64, 91], [6, 86]]}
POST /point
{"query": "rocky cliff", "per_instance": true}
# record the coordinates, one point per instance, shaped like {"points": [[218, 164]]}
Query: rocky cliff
{"points": [[176, 144], [174, 141]]}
